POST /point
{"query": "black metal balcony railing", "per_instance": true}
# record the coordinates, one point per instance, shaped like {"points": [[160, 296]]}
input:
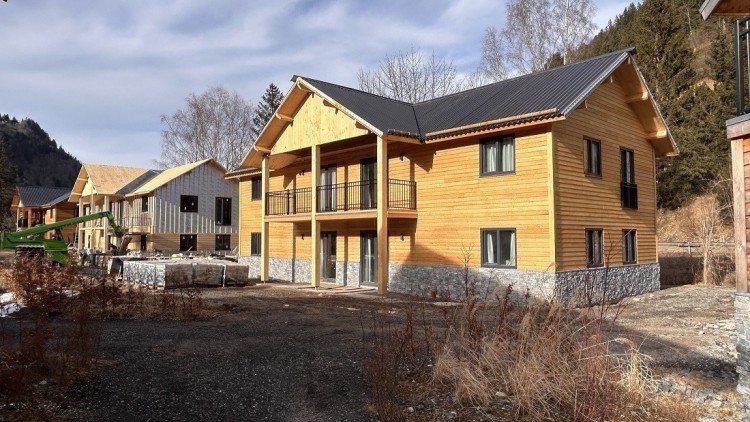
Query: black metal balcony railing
{"points": [[629, 195], [288, 202], [743, 66], [349, 196]]}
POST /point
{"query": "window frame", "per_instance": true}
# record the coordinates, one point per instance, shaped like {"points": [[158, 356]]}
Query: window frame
{"points": [[496, 140], [498, 252], [184, 207], [256, 192], [625, 234], [591, 263], [144, 204], [193, 236], [628, 185], [587, 164], [223, 204], [255, 250], [226, 239]]}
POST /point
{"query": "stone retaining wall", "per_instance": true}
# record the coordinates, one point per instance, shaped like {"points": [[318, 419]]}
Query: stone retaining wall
{"points": [[168, 274]]}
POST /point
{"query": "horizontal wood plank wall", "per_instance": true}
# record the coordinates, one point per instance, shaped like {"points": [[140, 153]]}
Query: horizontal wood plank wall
{"points": [[316, 123], [250, 216], [743, 235], [163, 241], [594, 202]]}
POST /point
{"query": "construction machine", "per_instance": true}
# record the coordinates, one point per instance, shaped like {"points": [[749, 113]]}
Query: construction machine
{"points": [[31, 242]]}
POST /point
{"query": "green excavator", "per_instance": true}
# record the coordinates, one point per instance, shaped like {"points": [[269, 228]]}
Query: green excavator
{"points": [[31, 242]]}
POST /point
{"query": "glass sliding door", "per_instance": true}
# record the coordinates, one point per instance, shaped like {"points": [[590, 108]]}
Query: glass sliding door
{"points": [[327, 191], [368, 189], [328, 256], [368, 258]]}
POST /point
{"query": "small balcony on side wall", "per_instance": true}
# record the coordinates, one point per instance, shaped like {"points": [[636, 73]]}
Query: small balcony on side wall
{"points": [[136, 224], [353, 200]]}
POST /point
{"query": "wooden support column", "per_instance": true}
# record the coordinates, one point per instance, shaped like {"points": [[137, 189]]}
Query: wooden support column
{"points": [[106, 225], [18, 219], [80, 225], [382, 224], [28, 218], [264, 241], [315, 225], [740, 221]]}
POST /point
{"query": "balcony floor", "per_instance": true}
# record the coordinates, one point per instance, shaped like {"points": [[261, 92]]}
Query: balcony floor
{"points": [[342, 215]]}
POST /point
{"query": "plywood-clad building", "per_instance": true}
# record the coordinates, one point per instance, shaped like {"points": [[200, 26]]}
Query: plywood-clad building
{"points": [[545, 180], [34, 205], [189, 208]]}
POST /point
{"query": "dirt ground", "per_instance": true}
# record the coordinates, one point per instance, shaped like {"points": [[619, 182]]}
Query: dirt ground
{"points": [[281, 352]]}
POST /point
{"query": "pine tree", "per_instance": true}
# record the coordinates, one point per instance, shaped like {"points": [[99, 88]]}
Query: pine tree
{"points": [[721, 67], [7, 186], [266, 108]]}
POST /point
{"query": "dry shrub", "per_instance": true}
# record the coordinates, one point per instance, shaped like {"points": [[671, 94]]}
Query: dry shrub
{"points": [[549, 363]]}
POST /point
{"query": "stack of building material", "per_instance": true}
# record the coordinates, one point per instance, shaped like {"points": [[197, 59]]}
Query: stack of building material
{"points": [[169, 274]]}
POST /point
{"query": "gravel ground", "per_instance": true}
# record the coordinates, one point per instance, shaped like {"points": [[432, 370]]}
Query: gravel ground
{"points": [[272, 355]]}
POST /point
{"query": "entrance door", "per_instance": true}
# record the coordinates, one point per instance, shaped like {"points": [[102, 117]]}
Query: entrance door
{"points": [[327, 189], [368, 189], [328, 256], [368, 259]]}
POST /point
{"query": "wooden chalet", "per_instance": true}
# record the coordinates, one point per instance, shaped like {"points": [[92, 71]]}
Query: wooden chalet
{"points": [[541, 180], [34, 205]]}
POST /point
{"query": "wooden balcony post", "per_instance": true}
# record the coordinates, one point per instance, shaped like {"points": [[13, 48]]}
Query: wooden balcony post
{"points": [[315, 225], [740, 221], [80, 225], [382, 224], [264, 223]]}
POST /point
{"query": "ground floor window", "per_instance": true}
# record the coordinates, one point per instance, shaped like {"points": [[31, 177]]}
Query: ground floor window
{"points": [[255, 244], [498, 248], [222, 242], [594, 248], [629, 251], [188, 242]]}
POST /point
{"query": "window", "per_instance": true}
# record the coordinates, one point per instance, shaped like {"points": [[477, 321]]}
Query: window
{"points": [[629, 253], [256, 188], [594, 248], [498, 248], [188, 203], [498, 155], [144, 204], [255, 244], [188, 242], [628, 188], [592, 157], [222, 242], [224, 211]]}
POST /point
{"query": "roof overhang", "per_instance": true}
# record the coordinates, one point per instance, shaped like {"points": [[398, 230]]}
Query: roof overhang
{"points": [[724, 8], [80, 183]]}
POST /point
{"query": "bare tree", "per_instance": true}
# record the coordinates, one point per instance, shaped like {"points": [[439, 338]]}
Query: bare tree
{"points": [[708, 227], [215, 124], [536, 30], [411, 76]]}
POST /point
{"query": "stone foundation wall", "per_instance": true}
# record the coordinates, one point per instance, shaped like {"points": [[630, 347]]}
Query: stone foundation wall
{"points": [[292, 270], [253, 265], [347, 274], [742, 321], [597, 285]]}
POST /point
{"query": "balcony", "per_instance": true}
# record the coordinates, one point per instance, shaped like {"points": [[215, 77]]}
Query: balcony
{"points": [[743, 66], [138, 224], [348, 197]]}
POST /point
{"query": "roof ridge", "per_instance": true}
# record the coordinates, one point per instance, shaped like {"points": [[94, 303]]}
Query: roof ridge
{"points": [[357, 90], [519, 77]]}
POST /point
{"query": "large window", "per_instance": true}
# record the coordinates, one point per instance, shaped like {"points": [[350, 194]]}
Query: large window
{"points": [[188, 242], [498, 155], [188, 203], [592, 157], [224, 211], [256, 188], [223, 242], [629, 251], [255, 244], [499, 248], [594, 248], [144, 204], [628, 188]]}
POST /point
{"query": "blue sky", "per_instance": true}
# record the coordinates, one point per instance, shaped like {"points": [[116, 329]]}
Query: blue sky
{"points": [[97, 75]]}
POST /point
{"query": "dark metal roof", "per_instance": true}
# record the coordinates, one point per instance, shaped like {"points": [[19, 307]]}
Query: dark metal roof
{"points": [[554, 92], [38, 196]]}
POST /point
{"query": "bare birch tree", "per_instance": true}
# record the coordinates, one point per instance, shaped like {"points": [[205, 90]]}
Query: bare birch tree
{"points": [[411, 76], [535, 31], [215, 124]]}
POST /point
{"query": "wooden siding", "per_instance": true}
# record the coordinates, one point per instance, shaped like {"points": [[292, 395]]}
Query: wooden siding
{"points": [[170, 242], [250, 215], [594, 202], [207, 183], [316, 123]]}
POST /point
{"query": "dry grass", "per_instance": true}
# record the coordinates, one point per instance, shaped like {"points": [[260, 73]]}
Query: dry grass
{"points": [[515, 360]]}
